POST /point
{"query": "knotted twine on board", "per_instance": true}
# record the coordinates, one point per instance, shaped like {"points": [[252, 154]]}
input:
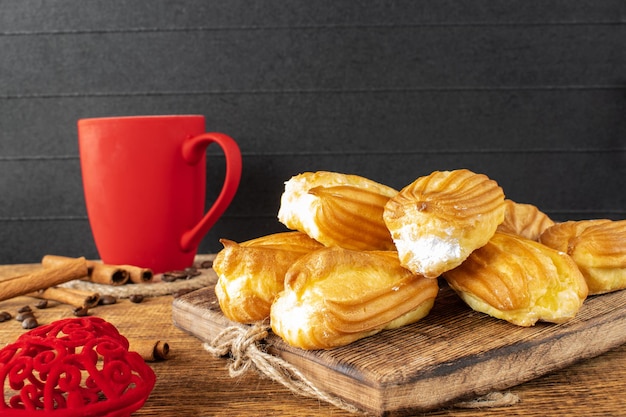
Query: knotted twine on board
{"points": [[246, 351], [244, 345]]}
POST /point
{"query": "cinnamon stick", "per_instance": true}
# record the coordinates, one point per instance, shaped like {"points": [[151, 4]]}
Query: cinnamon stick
{"points": [[69, 296], [97, 272], [149, 350], [107, 274], [137, 274], [68, 270]]}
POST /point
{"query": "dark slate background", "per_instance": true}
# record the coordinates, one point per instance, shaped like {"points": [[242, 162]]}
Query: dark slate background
{"points": [[529, 92]]}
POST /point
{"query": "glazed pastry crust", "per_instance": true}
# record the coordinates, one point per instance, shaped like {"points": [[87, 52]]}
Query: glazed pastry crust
{"points": [[439, 219], [524, 220], [337, 210], [598, 247], [252, 273], [336, 296], [520, 281]]}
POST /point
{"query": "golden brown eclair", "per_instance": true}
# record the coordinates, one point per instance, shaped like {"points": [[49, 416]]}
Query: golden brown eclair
{"points": [[439, 219], [520, 281], [524, 220], [335, 296], [597, 246], [252, 273], [337, 209]]}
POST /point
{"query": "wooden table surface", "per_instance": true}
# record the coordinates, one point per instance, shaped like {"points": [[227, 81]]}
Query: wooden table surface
{"points": [[191, 382]]}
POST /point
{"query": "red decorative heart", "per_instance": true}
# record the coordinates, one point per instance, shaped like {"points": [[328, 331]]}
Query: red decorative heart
{"points": [[73, 367]]}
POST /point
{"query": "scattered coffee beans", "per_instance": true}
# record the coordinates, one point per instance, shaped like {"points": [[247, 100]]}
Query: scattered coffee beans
{"points": [[29, 323], [26, 316], [107, 300], [136, 298], [186, 273], [168, 277], [173, 276], [206, 264], [4, 316], [41, 304], [21, 316], [81, 311], [192, 272]]}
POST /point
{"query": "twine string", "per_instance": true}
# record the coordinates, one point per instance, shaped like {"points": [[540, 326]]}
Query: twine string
{"points": [[244, 345]]}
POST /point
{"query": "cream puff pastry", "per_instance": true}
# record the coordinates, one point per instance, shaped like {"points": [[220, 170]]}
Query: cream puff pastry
{"points": [[524, 220], [337, 210], [597, 246], [335, 296], [520, 281], [439, 219], [252, 273]]}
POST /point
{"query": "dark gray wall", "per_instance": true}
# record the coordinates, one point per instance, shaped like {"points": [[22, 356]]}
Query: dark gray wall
{"points": [[529, 92]]}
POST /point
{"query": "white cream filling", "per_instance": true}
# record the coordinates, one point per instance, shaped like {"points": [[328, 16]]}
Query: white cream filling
{"points": [[296, 206], [291, 316], [425, 253]]}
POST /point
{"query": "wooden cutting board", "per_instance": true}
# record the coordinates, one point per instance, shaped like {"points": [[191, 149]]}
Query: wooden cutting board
{"points": [[451, 355]]}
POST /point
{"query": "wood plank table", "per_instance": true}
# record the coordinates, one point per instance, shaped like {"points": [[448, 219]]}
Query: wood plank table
{"points": [[191, 382]]}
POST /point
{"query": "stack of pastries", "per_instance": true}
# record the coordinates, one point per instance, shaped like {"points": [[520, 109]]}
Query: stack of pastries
{"points": [[362, 257]]}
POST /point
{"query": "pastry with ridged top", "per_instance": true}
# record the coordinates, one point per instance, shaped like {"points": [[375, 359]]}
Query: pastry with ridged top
{"points": [[335, 296], [520, 281], [439, 219], [597, 246], [524, 220], [251, 274], [337, 209]]}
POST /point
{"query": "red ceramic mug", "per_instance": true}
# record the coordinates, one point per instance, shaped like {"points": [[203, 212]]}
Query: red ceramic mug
{"points": [[144, 179]]}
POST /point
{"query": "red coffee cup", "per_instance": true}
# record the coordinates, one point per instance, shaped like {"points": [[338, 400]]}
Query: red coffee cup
{"points": [[144, 179]]}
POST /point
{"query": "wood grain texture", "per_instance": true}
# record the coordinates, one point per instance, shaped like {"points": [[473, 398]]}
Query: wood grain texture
{"points": [[193, 383], [452, 354]]}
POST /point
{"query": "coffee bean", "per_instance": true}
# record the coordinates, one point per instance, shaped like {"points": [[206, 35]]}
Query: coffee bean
{"points": [[30, 323], [206, 264], [107, 300], [81, 311], [192, 272], [187, 273], [4, 316], [24, 309], [24, 315], [167, 277], [136, 298], [41, 304]]}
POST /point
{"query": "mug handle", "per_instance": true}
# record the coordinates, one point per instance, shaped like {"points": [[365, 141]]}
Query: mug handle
{"points": [[193, 150]]}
